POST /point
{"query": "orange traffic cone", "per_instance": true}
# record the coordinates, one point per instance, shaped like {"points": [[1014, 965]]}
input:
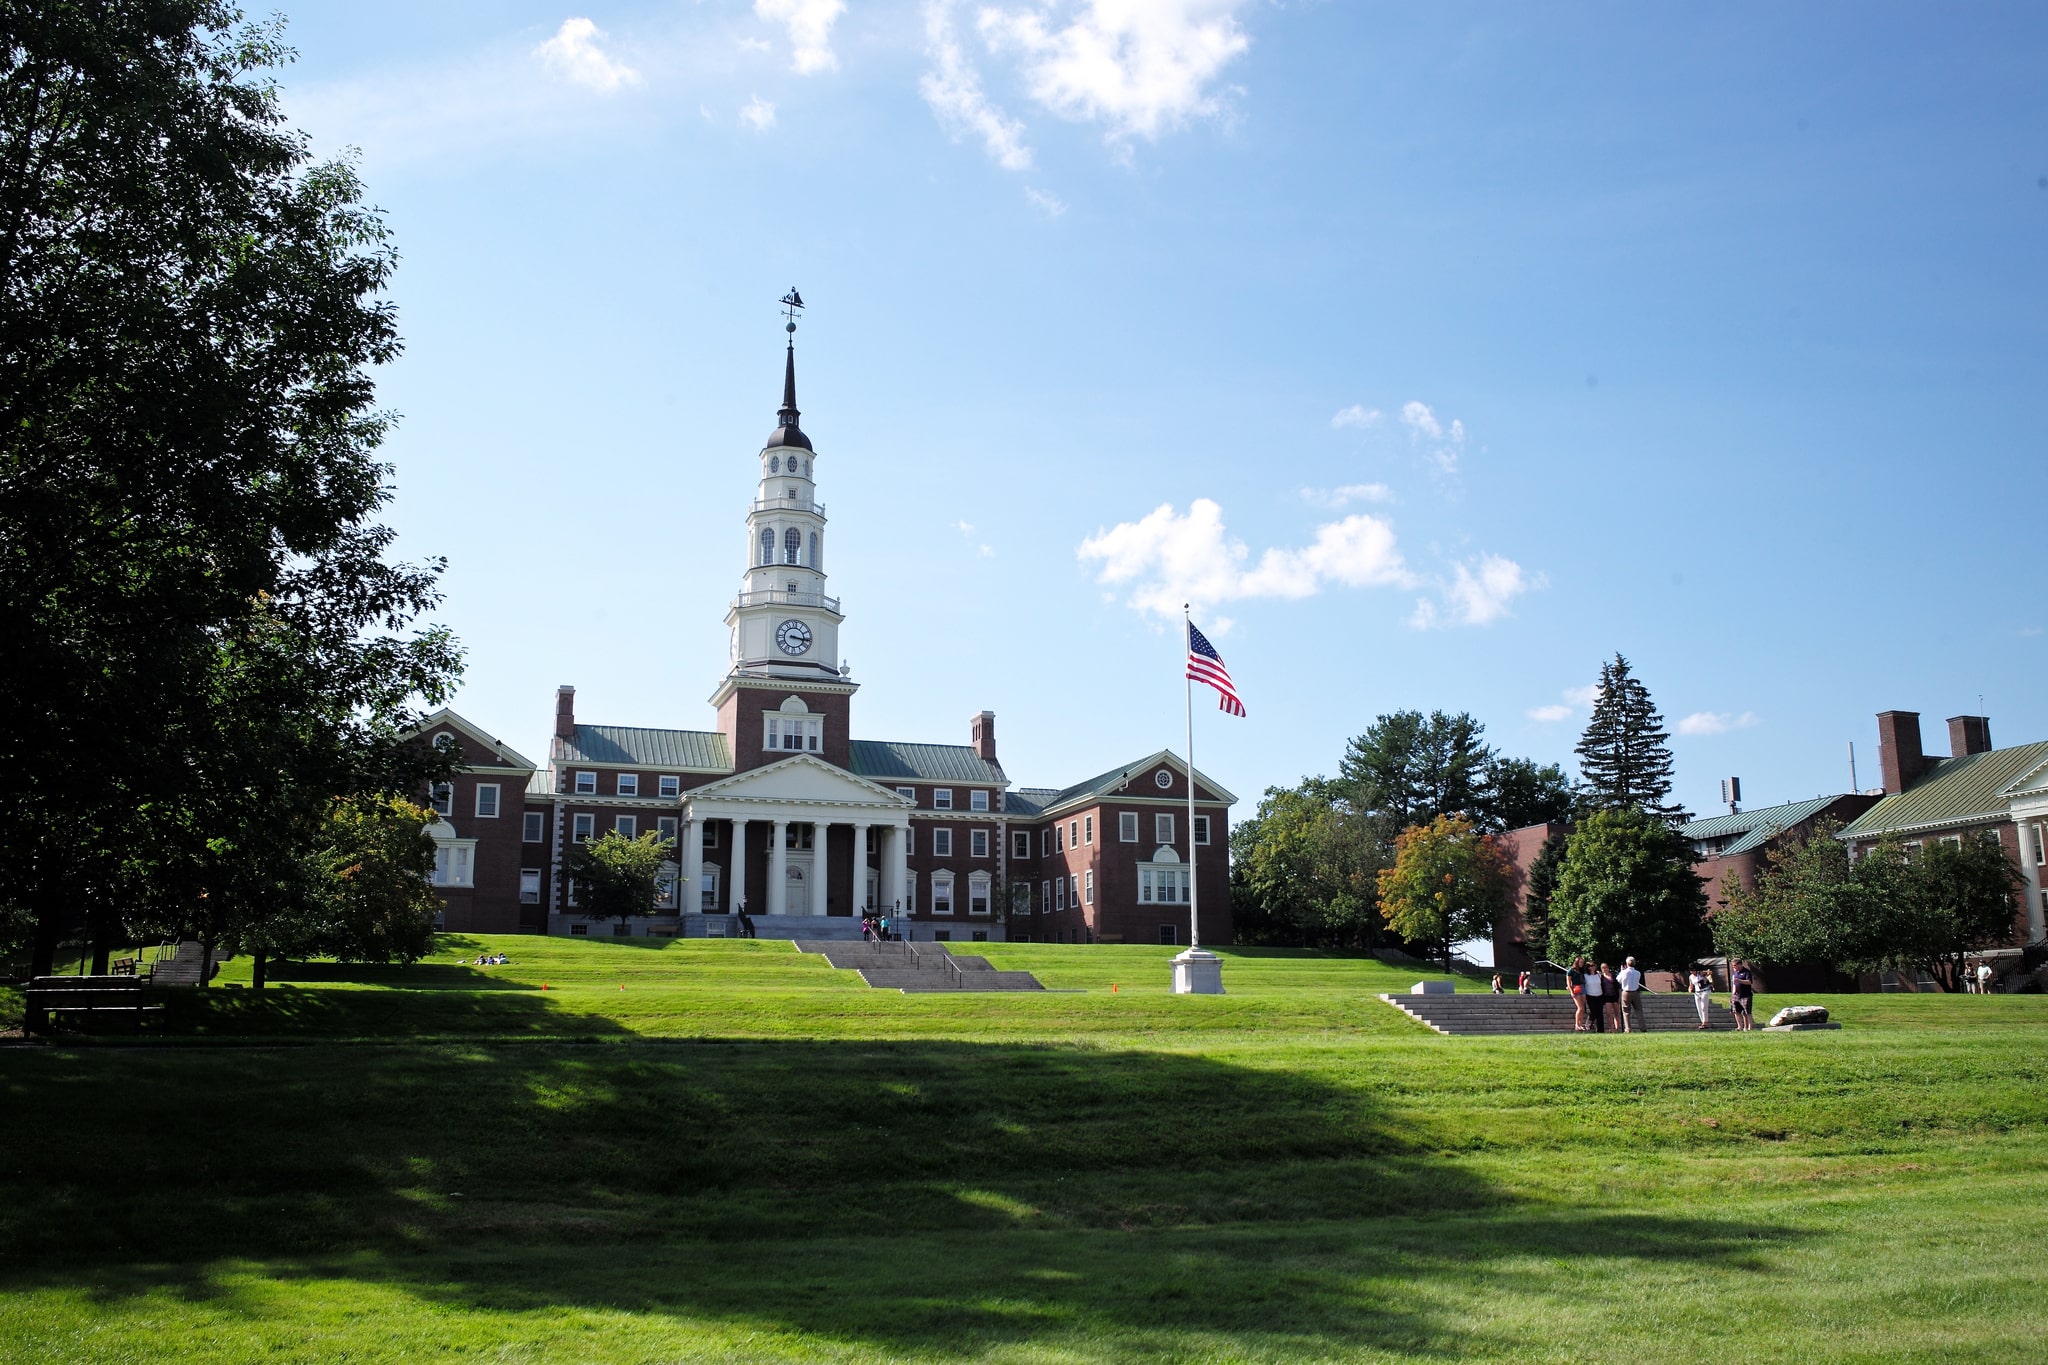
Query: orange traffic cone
{"points": [[543, 985], [1112, 988]]}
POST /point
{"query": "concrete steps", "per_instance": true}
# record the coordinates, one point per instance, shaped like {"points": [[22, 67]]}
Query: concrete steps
{"points": [[816, 928], [1474, 1013], [917, 967]]}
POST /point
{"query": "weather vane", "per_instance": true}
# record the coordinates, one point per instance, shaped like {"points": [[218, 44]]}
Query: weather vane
{"points": [[791, 302]]}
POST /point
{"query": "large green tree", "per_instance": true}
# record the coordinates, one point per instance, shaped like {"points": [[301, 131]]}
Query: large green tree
{"points": [[1449, 882], [1808, 906], [1302, 870], [205, 643], [1627, 888], [1408, 768], [616, 877], [1625, 753]]}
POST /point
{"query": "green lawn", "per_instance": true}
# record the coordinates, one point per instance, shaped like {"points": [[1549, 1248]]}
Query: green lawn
{"points": [[684, 1151]]}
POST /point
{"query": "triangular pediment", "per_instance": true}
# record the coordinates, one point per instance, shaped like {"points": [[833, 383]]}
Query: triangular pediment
{"points": [[445, 719], [2031, 783], [799, 778]]}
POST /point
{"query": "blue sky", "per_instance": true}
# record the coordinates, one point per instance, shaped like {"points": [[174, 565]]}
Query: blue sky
{"points": [[1437, 352]]}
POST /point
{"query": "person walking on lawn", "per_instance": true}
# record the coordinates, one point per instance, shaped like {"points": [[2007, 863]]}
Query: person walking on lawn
{"points": [[1575, 981], [1631, 981], [1702, 982]]}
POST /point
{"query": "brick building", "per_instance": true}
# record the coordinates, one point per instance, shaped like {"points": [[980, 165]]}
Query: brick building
{"points": [[779, 810]]}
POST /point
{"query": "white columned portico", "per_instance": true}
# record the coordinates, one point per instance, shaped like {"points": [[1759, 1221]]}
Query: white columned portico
{"points": [[738, 875], [897, 869], [778, 870], [2027, 823], [692, 898], [857, 882]]}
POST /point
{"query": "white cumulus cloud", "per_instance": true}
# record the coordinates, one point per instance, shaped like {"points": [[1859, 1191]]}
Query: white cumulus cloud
{"points": [[1357, 415], [1168, 558], [1138, 67], [953, 90], [758, 114], [1716, 722], [573, 54], [809, 24], [1549, 714], [1052, 205], [1444, 441], [1482, 592]]}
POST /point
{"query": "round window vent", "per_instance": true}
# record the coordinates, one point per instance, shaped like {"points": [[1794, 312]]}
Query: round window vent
{"points": [[1164, 777]]}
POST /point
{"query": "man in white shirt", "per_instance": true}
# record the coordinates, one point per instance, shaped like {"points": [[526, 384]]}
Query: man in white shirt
{"points": [[1631, 998]]}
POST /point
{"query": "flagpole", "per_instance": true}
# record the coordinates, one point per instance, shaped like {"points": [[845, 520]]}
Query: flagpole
{"points": [[1186, 640]]}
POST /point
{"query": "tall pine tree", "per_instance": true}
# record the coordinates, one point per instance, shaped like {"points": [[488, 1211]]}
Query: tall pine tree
{"points": [[1624, 757]]}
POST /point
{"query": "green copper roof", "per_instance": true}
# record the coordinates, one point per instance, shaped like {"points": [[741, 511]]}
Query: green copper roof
{"points": [[1756, 827], [696, 750], [886, 761], [1028, 800], [1953, 791], [1103, 784]]}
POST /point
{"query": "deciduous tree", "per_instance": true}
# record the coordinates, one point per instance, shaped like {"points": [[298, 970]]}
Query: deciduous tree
{"points": [[617, 877], [1627, 888], [1449, 882]]}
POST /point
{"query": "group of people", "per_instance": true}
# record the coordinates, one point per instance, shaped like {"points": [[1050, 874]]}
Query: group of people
{"points": [[1604, 999], [491, 960], [874, 928]]}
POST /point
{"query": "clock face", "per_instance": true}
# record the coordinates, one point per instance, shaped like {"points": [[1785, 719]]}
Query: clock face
{"points": [[793, 637]]}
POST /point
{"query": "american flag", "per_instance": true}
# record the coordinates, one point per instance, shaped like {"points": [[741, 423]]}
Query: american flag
{"points": [[1205, 665]]}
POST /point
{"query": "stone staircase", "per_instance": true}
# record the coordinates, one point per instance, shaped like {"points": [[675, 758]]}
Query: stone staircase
{"points": [[917, 967], [179, 966], [1479, 1013]]}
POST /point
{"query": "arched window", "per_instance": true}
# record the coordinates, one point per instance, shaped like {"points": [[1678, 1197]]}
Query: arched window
{"points": [[814, 549], [767, 545], [775, 464], [792, 544]]}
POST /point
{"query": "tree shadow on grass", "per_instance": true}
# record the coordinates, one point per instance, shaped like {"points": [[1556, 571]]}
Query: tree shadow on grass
{"points": [[902, 1196]]}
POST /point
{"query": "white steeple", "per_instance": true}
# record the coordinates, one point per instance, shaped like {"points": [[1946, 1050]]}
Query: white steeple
{"points": [[782, 623]]}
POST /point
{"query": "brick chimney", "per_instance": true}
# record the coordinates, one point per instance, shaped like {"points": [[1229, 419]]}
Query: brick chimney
{"points": [[1898, 749], [981, 733], [1969, 735], [565, 712]]}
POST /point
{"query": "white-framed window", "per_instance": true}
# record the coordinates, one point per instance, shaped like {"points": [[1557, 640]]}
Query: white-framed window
{"points": [[707, 888], [1127, 826], [1169, 934], [487, 800], [1073, 834], [1074, 891], [1952, 840], [792, 544], [665, 891], [455, 863], [629, 784], [793, 734], [977, 843], [2040, 845], [1201, 829], [908, 794], [586, 784], [535, 827], [977, 894], [977, 799], [582, 828], [1020, 844], [442, 798], [529, 886], [667, 826], [579, 927], [710, 834], [767, 545], [942, 843], [1045, 843], [1059, 893], [1087, 829], [910, 892], [1088, 887], [796, 836], [910, 841], [1162, 829], [627, 826], [1059, 838], [669, 785], [1045, 896], [1162, 884], [942, 798]]}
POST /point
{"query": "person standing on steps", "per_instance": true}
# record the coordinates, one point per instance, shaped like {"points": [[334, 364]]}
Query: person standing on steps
{"points": [[1575, 981], [1631, 981], [1596, 1004], [1610, 996]]}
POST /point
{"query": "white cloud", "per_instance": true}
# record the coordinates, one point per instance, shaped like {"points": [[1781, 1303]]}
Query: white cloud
{"points": [[1583, 696], [953, 90], [1549, 714], [574, 56], [1138, 67], [1052, 204], [1348, 494], [1716, 722], [1446, 441], [809, 23], [1357, 415], [758, 114], [1481, 594], [1168, 558]]}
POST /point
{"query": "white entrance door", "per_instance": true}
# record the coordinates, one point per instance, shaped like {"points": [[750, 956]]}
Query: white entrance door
{"points": [[797, 901]]}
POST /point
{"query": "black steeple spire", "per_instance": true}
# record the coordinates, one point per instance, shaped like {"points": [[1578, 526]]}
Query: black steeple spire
{"points": [[788, 433]]}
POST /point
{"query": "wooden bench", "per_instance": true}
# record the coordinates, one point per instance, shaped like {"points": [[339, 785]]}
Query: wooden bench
{"points": [[114, 995]]}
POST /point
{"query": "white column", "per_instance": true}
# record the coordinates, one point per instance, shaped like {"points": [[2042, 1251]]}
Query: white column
{"points": [[897, 865], [693, 868], [2027, 826], [778, 870], [860, 867], [737, 874]]}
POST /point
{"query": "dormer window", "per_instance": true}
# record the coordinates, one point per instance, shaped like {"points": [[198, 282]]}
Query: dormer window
{"points": [[793, 734]]}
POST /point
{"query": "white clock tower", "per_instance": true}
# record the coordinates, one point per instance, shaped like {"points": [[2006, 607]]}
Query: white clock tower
{"points": [[782, 624]]}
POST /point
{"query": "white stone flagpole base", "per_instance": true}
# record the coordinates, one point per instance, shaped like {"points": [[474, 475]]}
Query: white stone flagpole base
{"points": [[1198, 972]]}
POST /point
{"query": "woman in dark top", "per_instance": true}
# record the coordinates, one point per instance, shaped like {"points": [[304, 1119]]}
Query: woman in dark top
{"points": [[1742, 998]]}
